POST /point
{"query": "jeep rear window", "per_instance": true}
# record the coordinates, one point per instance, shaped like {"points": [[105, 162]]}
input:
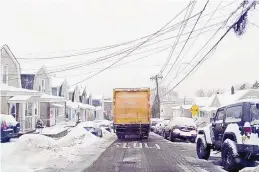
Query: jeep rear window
{"points": [[254, 115], [234, 114]]}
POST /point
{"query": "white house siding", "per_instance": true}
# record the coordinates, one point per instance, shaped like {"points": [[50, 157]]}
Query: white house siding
{"points": [[13, 67], [65, 92], [215, 102], [42, 75], [4, 104]]}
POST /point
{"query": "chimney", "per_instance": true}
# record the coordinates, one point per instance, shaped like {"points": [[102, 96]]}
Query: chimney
{"points": [[232, 90]]}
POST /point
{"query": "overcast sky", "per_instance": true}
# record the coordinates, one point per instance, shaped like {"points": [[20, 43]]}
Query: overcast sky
{"points": [[43, 29]]}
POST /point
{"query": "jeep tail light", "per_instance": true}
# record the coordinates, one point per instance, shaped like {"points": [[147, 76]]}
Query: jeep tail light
{"points": [[5, 126], [247, 129]]}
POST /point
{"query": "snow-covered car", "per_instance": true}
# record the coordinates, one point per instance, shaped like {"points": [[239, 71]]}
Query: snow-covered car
{"points": [[234, 130], [181, 128], [9, 127], [154, 122], [105, 124], [161, 128], [92, 127]]}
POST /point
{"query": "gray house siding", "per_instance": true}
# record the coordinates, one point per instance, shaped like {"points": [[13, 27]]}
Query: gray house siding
{"points": [[215, 102], [252, 93], [44, 113], [42, 75], [8, 59]]}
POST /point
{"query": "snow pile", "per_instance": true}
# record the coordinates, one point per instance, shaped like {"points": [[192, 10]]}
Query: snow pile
{"points": [[77, 135], [250, 169]]}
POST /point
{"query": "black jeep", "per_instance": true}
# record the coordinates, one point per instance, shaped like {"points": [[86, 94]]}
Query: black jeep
{"points": [[234, 130]]}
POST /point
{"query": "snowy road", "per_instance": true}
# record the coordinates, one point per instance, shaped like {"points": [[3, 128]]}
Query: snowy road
{"points": [[155, 154]]}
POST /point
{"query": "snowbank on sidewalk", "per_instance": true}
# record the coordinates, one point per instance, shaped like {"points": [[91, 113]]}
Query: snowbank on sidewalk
{"points": [[77, 135], [250, 169], [33, 151]]}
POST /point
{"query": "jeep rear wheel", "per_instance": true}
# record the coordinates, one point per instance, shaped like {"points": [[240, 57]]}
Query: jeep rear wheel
{"points": [[231, 161], [203, 152]]}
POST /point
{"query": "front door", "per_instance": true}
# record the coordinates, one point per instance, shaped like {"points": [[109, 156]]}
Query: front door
{"points": [[218, 127], [52, 116], [13, 110]]}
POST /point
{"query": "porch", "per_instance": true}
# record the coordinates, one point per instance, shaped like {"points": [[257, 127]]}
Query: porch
{"points": [[25, 109]]}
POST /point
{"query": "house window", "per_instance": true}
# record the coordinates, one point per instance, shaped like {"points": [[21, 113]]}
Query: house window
{"points": [[42, 86], [4, 74], [28, 110]]}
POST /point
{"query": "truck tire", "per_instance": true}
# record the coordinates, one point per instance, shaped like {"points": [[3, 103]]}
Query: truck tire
{"points": [[203, 152], [229, 158]]}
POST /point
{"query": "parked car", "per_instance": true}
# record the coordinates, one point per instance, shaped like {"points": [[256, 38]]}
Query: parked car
{"points": [[234, 130], [9, 127], [104, 124], [92, 127], [181, 128], [162, 126], [154, 121]]}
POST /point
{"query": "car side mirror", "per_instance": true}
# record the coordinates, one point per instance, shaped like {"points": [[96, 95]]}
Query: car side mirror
{"points": [[257, 105]]}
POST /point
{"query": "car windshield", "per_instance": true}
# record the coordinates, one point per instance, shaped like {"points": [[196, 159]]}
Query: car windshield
{"points": [[254, 115]]}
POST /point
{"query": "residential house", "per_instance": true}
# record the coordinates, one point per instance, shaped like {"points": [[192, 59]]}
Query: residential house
{"points": [[52, 108], [60, 87], [182, 111], [21, 103], [167, 110], [89, 98], [98, 103], [108, 103]]}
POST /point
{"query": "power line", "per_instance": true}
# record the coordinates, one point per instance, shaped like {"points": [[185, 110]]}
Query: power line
{"points": [[186, 40], [215, 45]]}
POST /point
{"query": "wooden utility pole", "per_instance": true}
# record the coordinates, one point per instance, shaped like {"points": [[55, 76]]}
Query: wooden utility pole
{"points": [[156, 104]]}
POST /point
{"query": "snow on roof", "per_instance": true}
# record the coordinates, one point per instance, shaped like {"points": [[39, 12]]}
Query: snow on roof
{"points": [[208, 109], [19, 98], [201, 101], [86, 106], [10, 89], [186, 106], [51, 98], [71, 89], [176, 107], [71, 104], [228, 98], [183, 121], [57, 82]]}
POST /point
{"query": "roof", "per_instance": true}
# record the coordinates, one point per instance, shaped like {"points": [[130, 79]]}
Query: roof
{"points": [[88, 94], [228, 98], [208, 109], [27, 81], [57, 82], [86, 106], [17, 99], [71, 89], [81, 89], [201, 101], [99, 97], [71, 104], [186, 106], [14, 91]]}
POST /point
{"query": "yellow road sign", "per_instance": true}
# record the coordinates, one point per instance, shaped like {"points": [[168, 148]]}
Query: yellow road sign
{"points": [[194, 110]]}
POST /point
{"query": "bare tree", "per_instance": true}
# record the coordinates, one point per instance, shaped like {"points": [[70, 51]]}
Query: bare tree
{"points": [[212, 92], [200, 93]]}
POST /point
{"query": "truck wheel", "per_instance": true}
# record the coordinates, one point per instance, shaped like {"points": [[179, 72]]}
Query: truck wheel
{"points": [[202, 151], [230, 160]]}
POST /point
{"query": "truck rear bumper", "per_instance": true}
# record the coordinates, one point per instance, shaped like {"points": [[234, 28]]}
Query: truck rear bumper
{"points": [[132, 129]]}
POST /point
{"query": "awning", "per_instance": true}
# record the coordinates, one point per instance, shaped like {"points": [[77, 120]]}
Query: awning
{"points": [[7, 90], [19, 99], [57, 106], [50, 98], [72, 105]]}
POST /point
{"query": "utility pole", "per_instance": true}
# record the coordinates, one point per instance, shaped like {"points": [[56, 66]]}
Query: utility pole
{"points": [[156, 104]]}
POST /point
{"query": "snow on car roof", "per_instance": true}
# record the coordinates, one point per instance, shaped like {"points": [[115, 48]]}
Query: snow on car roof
{"points": [[183, 121], [88, 124]]}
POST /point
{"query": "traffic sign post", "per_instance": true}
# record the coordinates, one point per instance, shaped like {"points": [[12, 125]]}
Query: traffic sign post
{"points": [[194, 110]]}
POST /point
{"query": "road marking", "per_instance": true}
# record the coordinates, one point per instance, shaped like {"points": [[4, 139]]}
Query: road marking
{"points": [[135, 145], [157, 146]]}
